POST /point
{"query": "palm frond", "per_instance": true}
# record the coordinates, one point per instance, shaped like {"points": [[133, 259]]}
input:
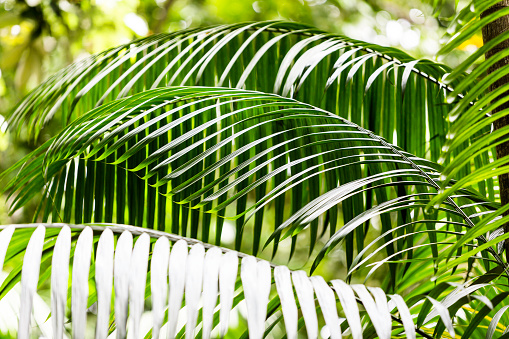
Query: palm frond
{"points": [[179, 273], [234, 153], [484, 120], [380, 88]]}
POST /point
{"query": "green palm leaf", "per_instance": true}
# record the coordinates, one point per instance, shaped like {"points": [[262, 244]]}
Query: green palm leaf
{"points": [[175, 269], [160, 143], [316, 67], [477, 120]]}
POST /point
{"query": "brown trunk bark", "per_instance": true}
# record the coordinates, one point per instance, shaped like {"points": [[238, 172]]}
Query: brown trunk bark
{"points": [[489, 32]]}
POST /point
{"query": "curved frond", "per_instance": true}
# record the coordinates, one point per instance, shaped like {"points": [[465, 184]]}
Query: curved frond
{"points": [[210, 273], [386, 89], [235, 154]]}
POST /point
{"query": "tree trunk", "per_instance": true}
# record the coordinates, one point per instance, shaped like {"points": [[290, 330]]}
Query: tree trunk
{"points": [[489, 32]]}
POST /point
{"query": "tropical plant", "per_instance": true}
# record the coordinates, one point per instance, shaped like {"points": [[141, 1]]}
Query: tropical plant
{"points": [[307, 140]]}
